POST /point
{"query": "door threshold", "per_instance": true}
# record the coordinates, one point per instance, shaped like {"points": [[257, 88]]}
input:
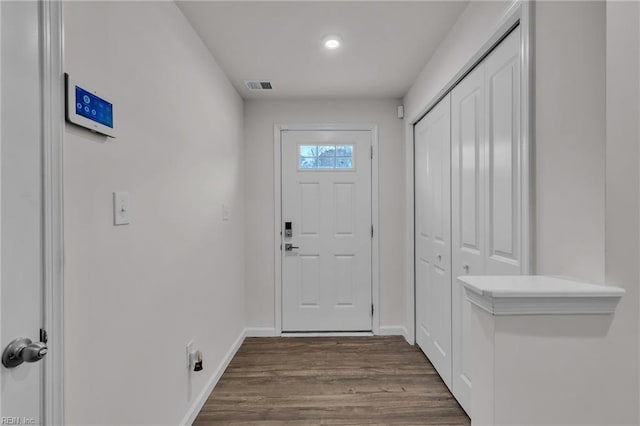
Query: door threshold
{"points": [[327, 334]]}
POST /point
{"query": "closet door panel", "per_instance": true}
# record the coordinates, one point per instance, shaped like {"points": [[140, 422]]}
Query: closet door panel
{"points": [[503, 158], [467, 213], [433, 236], [469, 205]]}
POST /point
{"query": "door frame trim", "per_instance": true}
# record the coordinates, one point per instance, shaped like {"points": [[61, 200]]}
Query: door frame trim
{"points": [[52, 42], [520, 12], [277, 187]]}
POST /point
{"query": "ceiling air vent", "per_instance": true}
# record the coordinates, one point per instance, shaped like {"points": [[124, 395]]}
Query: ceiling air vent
{"points": [[258, 85]]}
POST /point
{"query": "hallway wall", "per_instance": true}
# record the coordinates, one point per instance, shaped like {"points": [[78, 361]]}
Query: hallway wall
{"points": [[570, 128], [622, 253], [135, 295], [260, 117], [475, 25]]}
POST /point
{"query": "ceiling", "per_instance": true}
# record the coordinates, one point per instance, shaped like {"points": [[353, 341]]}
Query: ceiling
{"points": [[385, 44]]}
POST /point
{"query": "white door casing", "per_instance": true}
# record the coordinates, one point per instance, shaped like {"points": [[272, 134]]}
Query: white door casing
{"points": [[327, 281], [21, 213], [433, 237], [468, 217]]}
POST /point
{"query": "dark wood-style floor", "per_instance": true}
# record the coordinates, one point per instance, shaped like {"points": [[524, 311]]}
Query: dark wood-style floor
{"points": [[330, 381]]}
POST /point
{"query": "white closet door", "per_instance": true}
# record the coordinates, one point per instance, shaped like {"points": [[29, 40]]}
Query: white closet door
{"points": [[467, 216], [503, 153], [475, 132], [433, 237]]}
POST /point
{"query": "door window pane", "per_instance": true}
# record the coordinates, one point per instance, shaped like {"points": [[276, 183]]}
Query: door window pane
{"points": [[308, 151], [326, 162], [308, 162], [344, 163], [344, 151], [325, 157]]}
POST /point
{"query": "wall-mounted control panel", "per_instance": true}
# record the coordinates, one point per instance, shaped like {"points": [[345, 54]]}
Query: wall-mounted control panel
{"points": [[87, 108]]}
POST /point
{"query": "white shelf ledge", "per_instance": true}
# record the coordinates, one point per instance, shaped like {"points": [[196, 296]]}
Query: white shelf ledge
{"points": [[539, 295]]}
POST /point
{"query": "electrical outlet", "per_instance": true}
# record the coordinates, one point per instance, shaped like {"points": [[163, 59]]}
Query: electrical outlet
{"points": [[189, 350]]}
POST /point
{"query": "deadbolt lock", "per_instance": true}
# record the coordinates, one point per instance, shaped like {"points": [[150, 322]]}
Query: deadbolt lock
{"points": [[288, 229]]}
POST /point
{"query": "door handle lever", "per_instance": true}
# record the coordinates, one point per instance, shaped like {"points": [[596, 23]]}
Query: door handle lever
{"points": [[290, 247]]}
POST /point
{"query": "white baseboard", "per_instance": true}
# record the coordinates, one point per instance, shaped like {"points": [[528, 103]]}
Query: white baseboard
{"points": [[199, 402], [260, 332], [410, 340], [393, 330], [330, 334]]}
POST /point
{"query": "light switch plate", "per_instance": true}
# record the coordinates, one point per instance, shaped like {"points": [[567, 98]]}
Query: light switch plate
{"points": [[120, 208], [226, 212]]}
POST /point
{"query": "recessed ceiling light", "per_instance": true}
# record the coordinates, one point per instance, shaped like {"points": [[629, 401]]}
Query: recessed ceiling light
{"points": [[332, 42]]}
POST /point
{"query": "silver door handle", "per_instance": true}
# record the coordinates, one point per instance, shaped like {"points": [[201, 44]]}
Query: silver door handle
{"points": [[290, 247], [23, 350]]}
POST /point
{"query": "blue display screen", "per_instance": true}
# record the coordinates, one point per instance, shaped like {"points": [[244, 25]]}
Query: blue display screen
{"points": [[94, 108]]}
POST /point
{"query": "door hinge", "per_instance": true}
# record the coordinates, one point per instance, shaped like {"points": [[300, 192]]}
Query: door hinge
{"points": [[44, 336], [371, 151], [371, 231], [372, 309]]}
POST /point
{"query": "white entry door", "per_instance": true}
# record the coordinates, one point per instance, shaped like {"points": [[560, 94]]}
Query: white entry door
{"points": [[326, 205], [433, 237], [21, 191]]}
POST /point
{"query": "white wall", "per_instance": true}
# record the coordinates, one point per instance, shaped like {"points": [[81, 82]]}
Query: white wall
{"points": [[622, 190], [475, 25], [136, 294], [570, 135], [260, 117], [586, 148], [586, 187]]}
